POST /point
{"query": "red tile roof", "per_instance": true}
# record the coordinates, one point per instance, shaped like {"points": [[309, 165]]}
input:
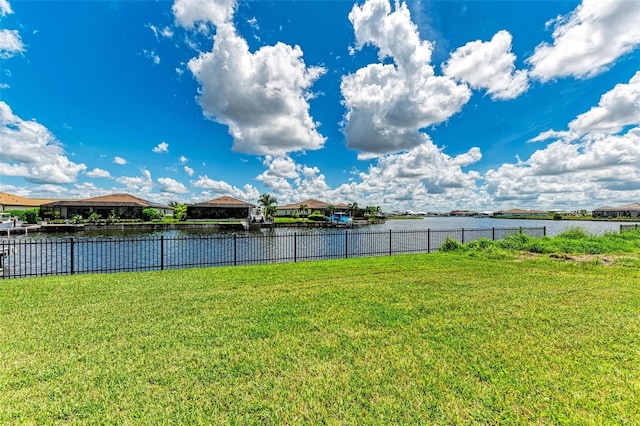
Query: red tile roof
{"points": [[225, 201]]}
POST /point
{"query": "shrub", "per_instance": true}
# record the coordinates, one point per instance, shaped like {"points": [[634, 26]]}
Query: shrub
{"points": [[480, 244], [149, 214], [28, 216], [451, 244], [515, 242], [94, 218], [316, 215], [574, 234]]}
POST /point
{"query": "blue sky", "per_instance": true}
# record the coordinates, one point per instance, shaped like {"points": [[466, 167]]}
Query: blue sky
{"points": [[423, 105]]}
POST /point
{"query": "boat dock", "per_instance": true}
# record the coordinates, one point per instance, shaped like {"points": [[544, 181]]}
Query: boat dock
{"points": [[20, 229]]}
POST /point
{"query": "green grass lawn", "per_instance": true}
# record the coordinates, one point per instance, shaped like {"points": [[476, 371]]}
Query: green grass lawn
{"points": [[448, 338]]}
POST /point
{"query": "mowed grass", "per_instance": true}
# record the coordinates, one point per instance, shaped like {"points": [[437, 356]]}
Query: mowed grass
{"points": [[447, 338]]}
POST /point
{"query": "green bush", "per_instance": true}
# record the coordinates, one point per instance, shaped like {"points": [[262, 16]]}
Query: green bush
{"points": [[149, 214], [451, 244], [480, 244], [28, 216], [316, 215], [574, 234], [515, 242]]}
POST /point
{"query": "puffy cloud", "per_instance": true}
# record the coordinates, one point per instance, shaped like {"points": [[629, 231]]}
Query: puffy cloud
{"points": [[279, 170], [219, 188], [31, 151], [422, 176], [183, 159], [387, 104], [98, 173], [488, 65], [188, 170], [594, 160], [161, 148], [119, 160], [172, 186], [587, 172], [138, 184], [293, 182], [617, 108], [588, 40], [5, 8], [262, 97], [10, 44], [190, 12]]}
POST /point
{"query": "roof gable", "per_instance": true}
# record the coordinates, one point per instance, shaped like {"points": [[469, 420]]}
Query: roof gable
{"points": [[310, 203], [16, 200], [224, 201]]}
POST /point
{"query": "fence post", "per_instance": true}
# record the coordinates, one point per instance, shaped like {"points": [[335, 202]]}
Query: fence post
{"points": [[390, 250], [235, 254], [295, 247], [544, 231], [428, 240], [346, 244], [162, 252], [462, 235], [71, 254], [493, 233]]}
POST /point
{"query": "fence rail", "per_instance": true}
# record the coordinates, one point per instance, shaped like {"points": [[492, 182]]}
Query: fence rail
{"points": [[629, 227], [28, 258]]}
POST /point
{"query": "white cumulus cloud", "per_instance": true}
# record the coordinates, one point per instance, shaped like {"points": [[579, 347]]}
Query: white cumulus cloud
{"points": [[261, 96], [172, 186], [31, 151], [190, 12], [488, 65], [220, 188], [387, 104], [142, 184], [10, 44], [595, 161], [161, 148], [188, 170], [617, 108], [119, 160], [98, 173], [589, 40], [5, 8]]}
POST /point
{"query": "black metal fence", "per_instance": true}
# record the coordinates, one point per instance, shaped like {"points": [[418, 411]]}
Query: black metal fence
{"points": [[63, 256], [629, 227]]}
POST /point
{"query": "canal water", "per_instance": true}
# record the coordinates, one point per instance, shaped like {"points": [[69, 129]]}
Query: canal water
{"points": [[435, 223], [554, 227], [55, 254]]}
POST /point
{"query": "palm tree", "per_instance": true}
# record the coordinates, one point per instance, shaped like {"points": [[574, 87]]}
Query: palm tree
{"points": [[369, 211], [266, 200], [270, 211], [329, 210], [303, 209], [353, 209]]}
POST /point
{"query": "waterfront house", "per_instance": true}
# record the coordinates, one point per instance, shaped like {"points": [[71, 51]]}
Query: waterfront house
{"points": [[520, 213], [220, 208], [312, 205], [125, 206], [628, 210], [15, 202]]}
